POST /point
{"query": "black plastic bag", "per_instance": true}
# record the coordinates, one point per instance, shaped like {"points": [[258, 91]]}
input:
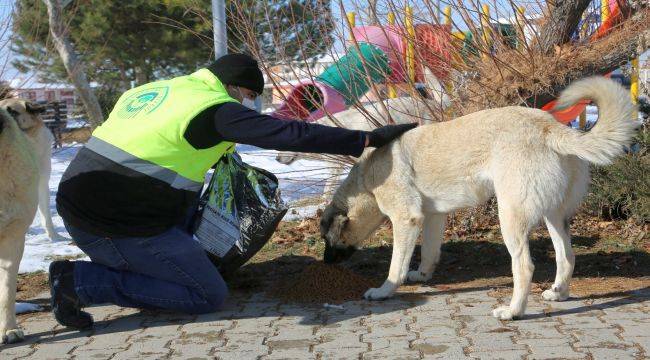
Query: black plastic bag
{"points": [[238, 213]]}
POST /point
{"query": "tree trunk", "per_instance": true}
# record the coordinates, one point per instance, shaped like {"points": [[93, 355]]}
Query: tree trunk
{"points": [[141, 75], [563, 19], [73, 66]]}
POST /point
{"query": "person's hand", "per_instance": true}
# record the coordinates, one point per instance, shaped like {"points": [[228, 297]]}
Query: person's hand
{"points": [[385, 134]]}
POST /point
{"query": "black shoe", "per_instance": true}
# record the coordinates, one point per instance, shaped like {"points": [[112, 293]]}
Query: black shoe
{"points": [[65, 302]]}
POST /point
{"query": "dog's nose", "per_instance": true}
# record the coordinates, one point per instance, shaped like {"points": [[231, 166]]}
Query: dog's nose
{"points": [[334, 255], [329, 257]]}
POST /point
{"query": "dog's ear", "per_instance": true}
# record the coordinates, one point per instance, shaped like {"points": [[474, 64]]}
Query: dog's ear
{"points": [[34, 108], [326, 219]]}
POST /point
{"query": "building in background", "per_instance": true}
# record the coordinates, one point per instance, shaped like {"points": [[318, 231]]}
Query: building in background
{"points": [[40, 93]]}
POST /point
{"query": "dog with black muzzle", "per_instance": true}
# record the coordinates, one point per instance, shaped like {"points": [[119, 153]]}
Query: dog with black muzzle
{"points": [[18, 200], [537, 167]]}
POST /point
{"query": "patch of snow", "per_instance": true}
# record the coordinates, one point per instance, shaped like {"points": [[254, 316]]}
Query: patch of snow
{"points": [[39, 249], [303, 178], [298, 213], [22, 308], [76, 123]]}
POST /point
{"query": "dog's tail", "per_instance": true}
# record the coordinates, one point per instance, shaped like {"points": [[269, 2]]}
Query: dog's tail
{"points": [[613, 131]]}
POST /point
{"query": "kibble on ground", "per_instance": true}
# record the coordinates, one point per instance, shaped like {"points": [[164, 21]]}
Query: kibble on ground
{"points": [[324, 283]]}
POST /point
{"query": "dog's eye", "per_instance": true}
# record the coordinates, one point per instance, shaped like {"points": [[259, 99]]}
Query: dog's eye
{"points": [[13, 112]]}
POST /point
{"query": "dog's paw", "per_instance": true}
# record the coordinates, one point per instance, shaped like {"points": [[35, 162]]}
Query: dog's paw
{"points": [[377, 294], [12, 336], [417, 276], [503, 313], [552, 295]]}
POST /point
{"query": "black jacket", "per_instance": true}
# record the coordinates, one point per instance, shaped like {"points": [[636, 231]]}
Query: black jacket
{"points": [[104, 198]]}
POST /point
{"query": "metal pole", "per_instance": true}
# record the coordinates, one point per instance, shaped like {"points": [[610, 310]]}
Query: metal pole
{"points": [[219, 28]]}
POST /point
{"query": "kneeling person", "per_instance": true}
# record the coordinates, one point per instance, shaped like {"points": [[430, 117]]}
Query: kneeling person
{"points": [[128, 195]]}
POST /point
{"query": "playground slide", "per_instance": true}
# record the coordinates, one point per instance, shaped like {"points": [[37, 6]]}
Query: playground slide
{"points": [[376, 57], [341, 84]]}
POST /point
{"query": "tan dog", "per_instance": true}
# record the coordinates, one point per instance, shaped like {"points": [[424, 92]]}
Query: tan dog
{"points": [[536, 167], [27, 116], [18, 200]]}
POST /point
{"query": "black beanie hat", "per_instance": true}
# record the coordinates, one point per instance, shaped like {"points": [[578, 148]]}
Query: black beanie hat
{"points": [[239, 70]]}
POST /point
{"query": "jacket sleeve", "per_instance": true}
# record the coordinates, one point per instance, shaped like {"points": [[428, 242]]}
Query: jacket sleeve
{"points": [[237, 123]]}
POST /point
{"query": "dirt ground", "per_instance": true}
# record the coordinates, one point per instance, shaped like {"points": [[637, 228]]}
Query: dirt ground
{"points": [[80, 135]]}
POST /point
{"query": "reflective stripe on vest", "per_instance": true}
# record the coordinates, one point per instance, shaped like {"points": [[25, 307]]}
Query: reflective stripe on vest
{"points": [[145, 131], [142, 166]]}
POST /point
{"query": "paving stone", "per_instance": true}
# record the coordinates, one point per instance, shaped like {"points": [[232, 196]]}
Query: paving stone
{"points": [[596, 338], [474, 298], [15, 352], [340, 341], [427, 322], [585, 321], [559, 351], [398, 344], [252, 326], [289, 354], [242, 347], [432, 349], [388, 332], [603, 353], [341, 354], [538, 330], [500, 355], [149, 347], [394, 354], [643, 342], [482, 343], [538, 342], [635, 330], [435, 331]]}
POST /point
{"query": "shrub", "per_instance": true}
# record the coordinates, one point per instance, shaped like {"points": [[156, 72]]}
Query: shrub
{"points": [[622, 190]]}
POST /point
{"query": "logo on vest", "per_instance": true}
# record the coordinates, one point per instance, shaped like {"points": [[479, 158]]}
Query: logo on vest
{"points": [[143, 102]]}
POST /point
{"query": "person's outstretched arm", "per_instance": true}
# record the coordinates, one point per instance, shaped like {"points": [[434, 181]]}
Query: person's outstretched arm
{"points": [[239, 124]]}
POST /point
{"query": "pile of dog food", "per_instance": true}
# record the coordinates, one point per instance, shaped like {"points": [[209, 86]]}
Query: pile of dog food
{"points": [[323, 283]]}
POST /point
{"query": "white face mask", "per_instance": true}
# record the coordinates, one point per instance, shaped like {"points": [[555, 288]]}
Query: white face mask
{"points": [[246, 101], [249, 104]]}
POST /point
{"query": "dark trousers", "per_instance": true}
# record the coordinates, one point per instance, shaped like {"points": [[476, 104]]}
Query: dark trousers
{"points": [[167, 271]]}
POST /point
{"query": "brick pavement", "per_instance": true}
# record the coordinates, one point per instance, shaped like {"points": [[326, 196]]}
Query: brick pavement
{"points": [[427, 324]]}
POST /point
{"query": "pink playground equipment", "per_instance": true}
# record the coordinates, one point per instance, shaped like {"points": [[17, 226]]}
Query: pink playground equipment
{"points": [[376, 54]]}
